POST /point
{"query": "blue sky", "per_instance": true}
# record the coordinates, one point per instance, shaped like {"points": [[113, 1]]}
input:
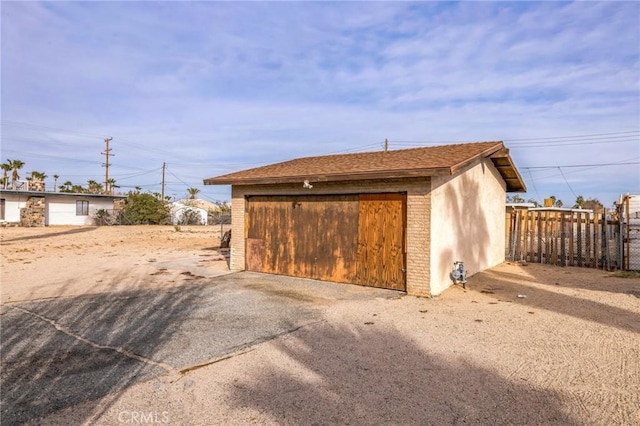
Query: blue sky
{"points": [[215, 87]]}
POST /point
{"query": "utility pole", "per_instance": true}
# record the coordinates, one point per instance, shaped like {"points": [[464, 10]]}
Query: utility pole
{"points": [[386, 145], [163, 167], [107, 154]]}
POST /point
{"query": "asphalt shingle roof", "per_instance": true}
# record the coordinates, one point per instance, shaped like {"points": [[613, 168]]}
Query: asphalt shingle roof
{"points": [[425, 161]]}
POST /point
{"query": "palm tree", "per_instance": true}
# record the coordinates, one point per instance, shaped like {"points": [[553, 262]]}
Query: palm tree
{"points": [[55, 182], [111, 183], [94, 187], [78, 189], [6, 168], [37, 178], [66, 187], [15, 165], [192, 193]]}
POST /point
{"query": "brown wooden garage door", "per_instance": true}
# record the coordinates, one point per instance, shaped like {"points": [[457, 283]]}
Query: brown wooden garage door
{"points": [[357, 239]]}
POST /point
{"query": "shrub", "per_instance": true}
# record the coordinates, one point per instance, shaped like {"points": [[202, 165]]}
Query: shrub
{"points": [[190, 217], [102, 218], [145, 209]]}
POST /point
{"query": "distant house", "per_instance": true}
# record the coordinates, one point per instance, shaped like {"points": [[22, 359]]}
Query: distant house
{"points": [[39, 208], [392, 219], [519, 206], [188, 212]]}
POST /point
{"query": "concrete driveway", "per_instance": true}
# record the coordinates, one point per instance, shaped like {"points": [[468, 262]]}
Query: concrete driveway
{"points": [[60, 352]]}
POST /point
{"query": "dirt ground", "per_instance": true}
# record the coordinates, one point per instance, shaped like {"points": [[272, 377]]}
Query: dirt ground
{"points": [[521, 345], [39, 263]]}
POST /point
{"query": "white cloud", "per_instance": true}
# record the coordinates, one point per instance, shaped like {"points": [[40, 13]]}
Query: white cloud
{"points": [[235, 84]]}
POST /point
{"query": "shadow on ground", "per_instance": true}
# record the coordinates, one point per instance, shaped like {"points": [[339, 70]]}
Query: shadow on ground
{"points": [[45, 368], [57, 353], [538, 296], [54, 234], [342, 376], [569, 277]]}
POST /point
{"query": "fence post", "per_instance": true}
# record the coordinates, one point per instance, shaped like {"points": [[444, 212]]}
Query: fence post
{"points": [[527, 236], [532, 234], [627, 256], [556, 236], [595, 240], [580, 239], [572, 260], [563, 244], [523, 235], [587, 239], [539, 218]]}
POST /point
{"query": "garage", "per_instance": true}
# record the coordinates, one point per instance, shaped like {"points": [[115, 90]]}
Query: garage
{"points": [[392, 219], [347, 238]]}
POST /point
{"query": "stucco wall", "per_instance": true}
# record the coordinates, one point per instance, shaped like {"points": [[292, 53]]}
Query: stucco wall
{"points": [[467, 222], [13, 204], [418, 219], [61, 210]]}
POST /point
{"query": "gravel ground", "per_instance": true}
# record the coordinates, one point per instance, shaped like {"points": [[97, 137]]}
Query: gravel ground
{"points": [[568, 352]]}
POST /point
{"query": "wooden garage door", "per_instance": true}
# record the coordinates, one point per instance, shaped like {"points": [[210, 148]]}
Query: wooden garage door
{"points": [[356, 239], [381, 254]]}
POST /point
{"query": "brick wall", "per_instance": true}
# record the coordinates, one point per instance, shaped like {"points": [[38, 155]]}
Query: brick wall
{"points": [[418, 219]]}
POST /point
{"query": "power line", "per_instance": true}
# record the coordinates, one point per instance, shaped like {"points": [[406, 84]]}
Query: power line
{"points": [[357, 148], [121, 178], [180, 180], [548, 145], [586, 139], [31, 126], [622, 163], [573, 137], [534, 184], [567, 182]]}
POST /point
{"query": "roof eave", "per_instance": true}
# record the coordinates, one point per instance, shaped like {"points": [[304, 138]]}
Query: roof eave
{"points": [[501, 159], [507, 169], [338, 177], [484, 154]]}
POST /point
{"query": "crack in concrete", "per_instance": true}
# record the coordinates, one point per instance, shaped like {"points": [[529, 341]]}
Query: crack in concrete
{"points": [[249, 347], [122, 351], [189, 369]]}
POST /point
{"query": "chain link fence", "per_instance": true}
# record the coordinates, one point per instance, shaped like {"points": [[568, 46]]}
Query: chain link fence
{"points": [[632, 246], [628, 210], [113, 217]]}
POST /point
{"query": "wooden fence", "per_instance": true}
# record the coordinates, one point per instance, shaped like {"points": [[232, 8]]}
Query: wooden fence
{"points": [[563, 238]]}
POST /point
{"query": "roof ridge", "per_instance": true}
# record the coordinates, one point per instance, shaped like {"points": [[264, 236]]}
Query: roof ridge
{"points": [[391, 150], [445, 159]]}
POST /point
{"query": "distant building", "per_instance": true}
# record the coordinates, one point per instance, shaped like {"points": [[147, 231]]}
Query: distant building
{"points": [[188, 212], [39, 208]]}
